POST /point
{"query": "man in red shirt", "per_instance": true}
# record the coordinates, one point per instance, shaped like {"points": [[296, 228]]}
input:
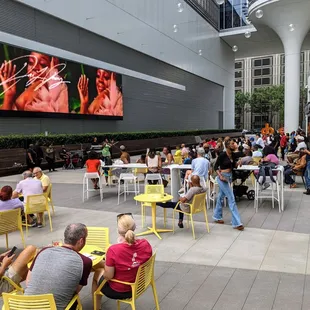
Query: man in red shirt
{"points": [[283, 144], [212, 143]]}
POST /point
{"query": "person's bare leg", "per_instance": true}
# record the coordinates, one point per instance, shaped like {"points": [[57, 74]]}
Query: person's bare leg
{"points": [[20, 264], [97, 276], [40, 218]]}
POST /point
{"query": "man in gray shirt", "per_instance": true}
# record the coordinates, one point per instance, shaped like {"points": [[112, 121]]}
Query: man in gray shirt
{"points": [[61, 271], [195, 188]]}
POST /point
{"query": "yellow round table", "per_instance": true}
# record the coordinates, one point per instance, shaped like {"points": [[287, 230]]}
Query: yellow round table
{"points": [[152, 199], [88, 249]]}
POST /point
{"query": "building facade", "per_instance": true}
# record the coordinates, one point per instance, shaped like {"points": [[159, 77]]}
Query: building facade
{"points": [[252, 73]]}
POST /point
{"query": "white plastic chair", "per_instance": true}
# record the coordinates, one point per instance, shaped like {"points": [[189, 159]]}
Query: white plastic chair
{"points": [[262, 194], [212, 196], [127, 178], [86, 189], [153, 177]]}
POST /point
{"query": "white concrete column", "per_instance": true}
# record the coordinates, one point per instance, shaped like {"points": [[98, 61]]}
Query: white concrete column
{"points": [[292, 86]]}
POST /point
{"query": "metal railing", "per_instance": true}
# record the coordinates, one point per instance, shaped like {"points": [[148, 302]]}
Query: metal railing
{"points": [[208, 9]]}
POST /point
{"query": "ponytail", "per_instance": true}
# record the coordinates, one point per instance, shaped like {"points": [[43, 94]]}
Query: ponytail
{"points": [[130, 237]]}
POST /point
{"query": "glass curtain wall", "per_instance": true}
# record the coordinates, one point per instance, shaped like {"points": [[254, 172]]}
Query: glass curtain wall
{"points": [[233, 13]]}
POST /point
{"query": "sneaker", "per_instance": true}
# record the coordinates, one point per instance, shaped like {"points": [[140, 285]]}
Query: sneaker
{"points": [[266, 185], [181, 190], [307, 192], [241, 227], [33, 224], [39, 225], [180, 224]]}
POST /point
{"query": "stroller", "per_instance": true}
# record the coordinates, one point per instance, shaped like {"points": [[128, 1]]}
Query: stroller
{"points": [[241, 189]]}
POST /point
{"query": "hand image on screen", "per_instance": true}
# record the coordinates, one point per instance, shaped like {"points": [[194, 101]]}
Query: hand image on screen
{"points": [[83, 92], [46, 92], [8, 83], [109, 98]]}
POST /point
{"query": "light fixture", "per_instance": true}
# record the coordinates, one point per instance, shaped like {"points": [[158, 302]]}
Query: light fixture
{"points": [[220, 2], [259, 14], [200, 52], [235, 48], [180, 7], [175, 28], [248, 34], [291, 27]]}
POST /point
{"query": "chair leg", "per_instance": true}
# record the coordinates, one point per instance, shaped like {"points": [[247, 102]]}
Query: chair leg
{"points": [[118, 305], [50, 219], [83, 189], [142, 215], [173, 213], [52, 204], [193, 229], [22, 236], [207, 222], [119, 191], [26, 224], [155, 294], [7, 240], [165, 217], [187, 221]]}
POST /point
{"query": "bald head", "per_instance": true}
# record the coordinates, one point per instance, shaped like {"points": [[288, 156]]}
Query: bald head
{"points": [[195, 180]]}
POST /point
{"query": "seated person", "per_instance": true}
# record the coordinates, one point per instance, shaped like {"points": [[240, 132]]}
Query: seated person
{"points": [[178, 155], [122, 261], [269, 155], [195, 188], [293, 169], [142, 159], [27, 187], [61, 270], [257, 151], [153, 162], [93, 164], [300, 145], [184, 151], [65, 155], [125, 157], [45, 180], [17, 270], [247, 159], [6, 200]]}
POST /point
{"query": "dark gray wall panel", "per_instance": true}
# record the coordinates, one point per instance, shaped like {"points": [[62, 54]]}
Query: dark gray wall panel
{"points": [[147, 106]]}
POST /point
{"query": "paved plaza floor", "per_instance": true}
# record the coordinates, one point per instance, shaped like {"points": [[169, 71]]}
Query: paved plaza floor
{"points": [[267, 266]]}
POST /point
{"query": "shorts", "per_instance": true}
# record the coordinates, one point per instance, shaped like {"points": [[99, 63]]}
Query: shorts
{"points": [[112, 294], [5, 286]]}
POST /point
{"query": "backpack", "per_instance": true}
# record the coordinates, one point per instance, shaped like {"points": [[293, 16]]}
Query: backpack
{"points": [[265, 169]]}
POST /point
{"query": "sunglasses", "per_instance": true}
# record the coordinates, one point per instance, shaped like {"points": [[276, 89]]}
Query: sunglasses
{"points": [[122, 214]]}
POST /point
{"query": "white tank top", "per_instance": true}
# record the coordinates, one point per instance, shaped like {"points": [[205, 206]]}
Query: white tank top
{"points": [[152, 162]]}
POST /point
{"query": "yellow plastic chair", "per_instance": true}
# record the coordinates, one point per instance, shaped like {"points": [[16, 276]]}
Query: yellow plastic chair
{"points": [[152, 189], [37, 204], [98, 236], [49, 197], [197, 206], [11, 221], [144, 278], [17, 288], [40, 302]]}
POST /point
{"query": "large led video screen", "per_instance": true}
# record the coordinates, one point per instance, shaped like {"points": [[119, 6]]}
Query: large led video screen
{"points": [[41, 85]]}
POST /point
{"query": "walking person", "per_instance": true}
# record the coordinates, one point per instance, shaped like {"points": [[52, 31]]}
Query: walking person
{"points": [[223, 167]]}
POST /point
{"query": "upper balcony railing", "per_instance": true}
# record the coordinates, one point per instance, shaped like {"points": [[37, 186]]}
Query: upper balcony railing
{"points": [[208, 9]]}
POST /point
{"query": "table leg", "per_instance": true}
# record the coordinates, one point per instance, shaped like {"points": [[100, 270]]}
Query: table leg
{"points": [[153, 229], [175, 184]]}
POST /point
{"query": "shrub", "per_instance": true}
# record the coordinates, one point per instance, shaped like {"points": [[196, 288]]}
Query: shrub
{"points": [[19, 141]]}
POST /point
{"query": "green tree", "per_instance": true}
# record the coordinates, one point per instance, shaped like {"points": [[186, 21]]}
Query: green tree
{"points": [[241, 101]]}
